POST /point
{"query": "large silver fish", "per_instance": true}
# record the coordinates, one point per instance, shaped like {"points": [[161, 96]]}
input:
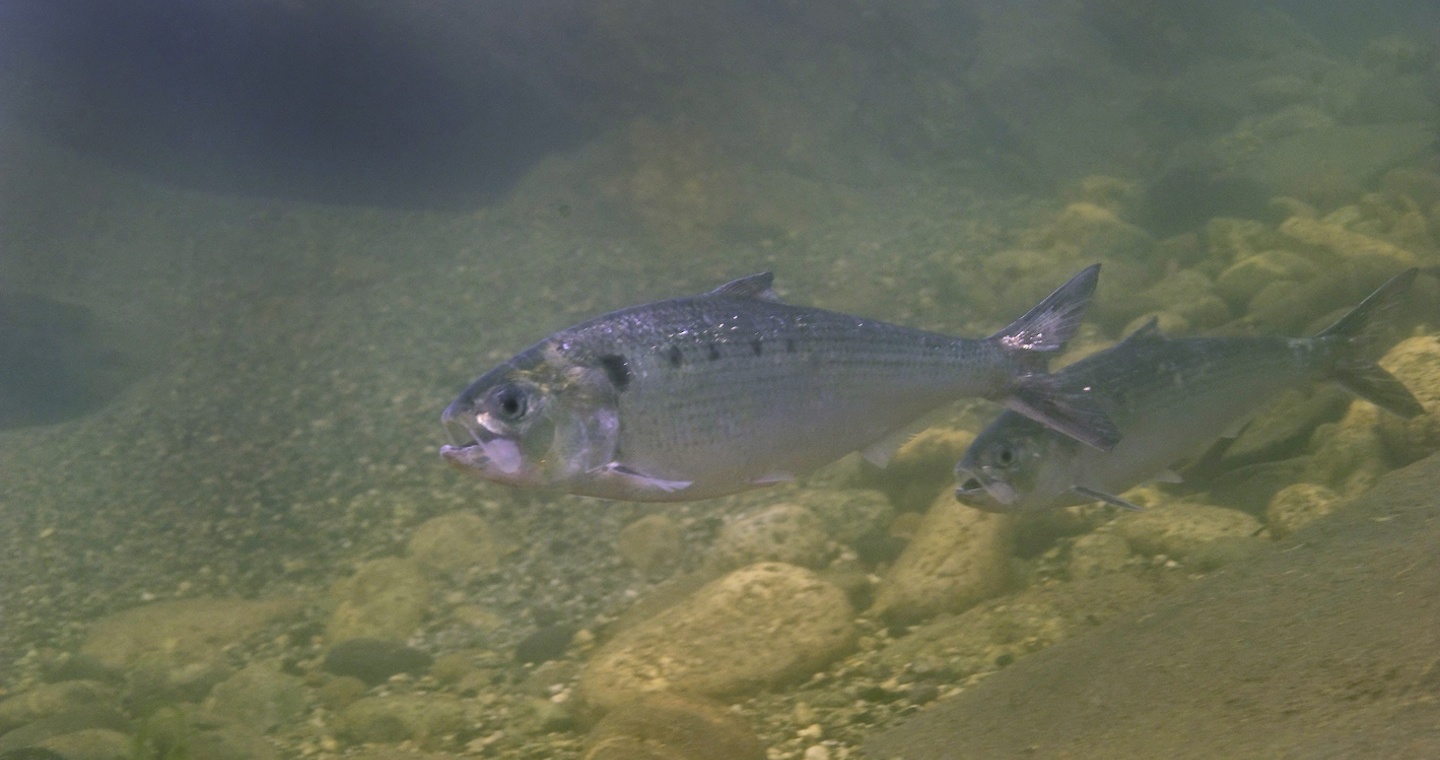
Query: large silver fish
{"points": [[729, 390], [1170, 399]]}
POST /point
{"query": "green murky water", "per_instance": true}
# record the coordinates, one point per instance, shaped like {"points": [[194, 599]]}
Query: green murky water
{"points": [[299, 290]]}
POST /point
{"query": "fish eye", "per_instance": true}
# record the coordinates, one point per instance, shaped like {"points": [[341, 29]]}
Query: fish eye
{"points": [[1004, 455], [509, 403]]}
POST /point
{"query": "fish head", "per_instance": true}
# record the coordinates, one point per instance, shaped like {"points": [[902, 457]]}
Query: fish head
{"points": [[532, 426], [1003, 469]]}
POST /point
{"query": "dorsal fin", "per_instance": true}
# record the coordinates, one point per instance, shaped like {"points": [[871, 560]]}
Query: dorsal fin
{"points": [[750, 286]]}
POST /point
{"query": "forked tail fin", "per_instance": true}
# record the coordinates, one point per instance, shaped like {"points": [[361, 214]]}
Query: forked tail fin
{"points": [[1033, 339], [1363, 334], [1045, 329]]}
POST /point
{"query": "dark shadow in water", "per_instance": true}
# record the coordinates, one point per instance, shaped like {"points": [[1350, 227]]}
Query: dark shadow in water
{"points": [[316, 101], [54, 362]]}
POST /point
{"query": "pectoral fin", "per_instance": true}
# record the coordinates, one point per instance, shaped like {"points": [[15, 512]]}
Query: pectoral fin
{"points": [[639, 481], [1111, 499]]}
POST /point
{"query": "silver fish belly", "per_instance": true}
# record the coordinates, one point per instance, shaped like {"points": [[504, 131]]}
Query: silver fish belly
{"points": [[712, 394], [1170, 398]]}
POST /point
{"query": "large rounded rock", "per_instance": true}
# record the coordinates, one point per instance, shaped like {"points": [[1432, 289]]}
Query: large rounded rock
{"points": [[385, 599], [455, 543], [757, 627], [651, 544], [1298, 505], [421, 718], [1178, 530], [672, 727], [259, 697], [960, 556], [1416, 362], [184, 632]]}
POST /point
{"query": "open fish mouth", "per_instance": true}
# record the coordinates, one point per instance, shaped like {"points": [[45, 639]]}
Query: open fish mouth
{"points": [[979, 490], [474, 447]]}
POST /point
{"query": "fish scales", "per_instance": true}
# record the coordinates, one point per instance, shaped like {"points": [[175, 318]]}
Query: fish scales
{"points": [[711, 394], [1171, 398]]}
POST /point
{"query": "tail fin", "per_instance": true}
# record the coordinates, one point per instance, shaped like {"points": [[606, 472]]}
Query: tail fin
{"points": [[1043, 331], [1046, 328], [1361, 329]]}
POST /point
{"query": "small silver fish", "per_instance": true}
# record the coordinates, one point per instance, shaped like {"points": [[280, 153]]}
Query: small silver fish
{"points": [[730, 390], [1171, 398]]}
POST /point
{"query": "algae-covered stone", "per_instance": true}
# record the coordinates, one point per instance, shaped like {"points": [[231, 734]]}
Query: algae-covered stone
{"points": [[920, 467], [757, 627], [1097, 554], [781, 532], [454, 543], [183, 632], [53, 698], [848, 513], [1416, 362], [650, 544], [672, 727], [385, 599], [260, 697], [1298, 505], [90, 744], [422, 718], [959, 557], [1349, 246], [1094, 232], [1243, 279], [1177, 530], [1349, 455]]}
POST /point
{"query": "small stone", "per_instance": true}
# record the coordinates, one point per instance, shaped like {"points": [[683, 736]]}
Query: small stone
{"points": [[385, 599], [960, 556], [397, 718], [651, 544], [374, 660], [1298, 505], [817, 752], [760, 626], [260, 697], [458, 542]]}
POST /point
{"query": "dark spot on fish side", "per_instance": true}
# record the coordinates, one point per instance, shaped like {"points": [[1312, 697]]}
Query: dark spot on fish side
{"points": [[617, 369], [713, 351], [789, 345], [675, 357], [757, 346]]}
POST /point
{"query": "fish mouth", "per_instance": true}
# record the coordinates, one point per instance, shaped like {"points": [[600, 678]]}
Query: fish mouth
{"points": [[981, 492], [474, 447]]}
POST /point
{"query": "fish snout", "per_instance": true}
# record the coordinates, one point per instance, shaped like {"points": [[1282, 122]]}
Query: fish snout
{"points": [[984, 492]]}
